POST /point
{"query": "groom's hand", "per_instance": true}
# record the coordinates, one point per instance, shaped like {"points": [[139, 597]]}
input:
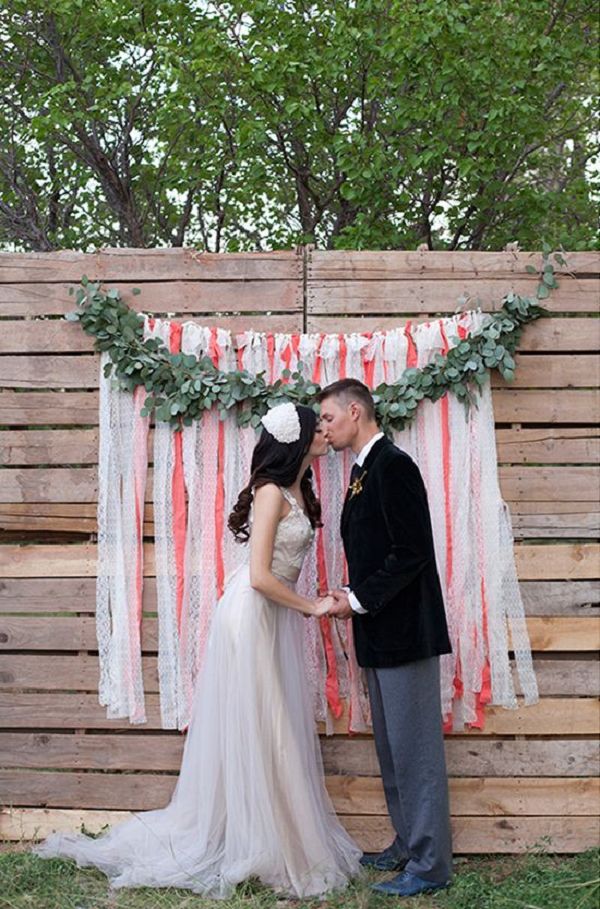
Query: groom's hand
{"points": [[341, 608]]}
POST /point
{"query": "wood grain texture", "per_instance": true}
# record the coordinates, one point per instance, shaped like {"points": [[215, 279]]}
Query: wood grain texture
{"points": [[544, 445], [568, 334], [353, 296], [78, 672], [78, 595], [404, 264], [57, 632], [518, 483], [162, 750], [531, 776], [55, 336], [530, 520], [470, 835], [41, 710], [554, 561], [198, 298], [481, 797], [76, 408], [82, 371], [173, 264]]}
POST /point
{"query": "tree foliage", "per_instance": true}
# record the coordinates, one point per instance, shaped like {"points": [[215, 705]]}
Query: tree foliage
{"points": [[261, 124]]}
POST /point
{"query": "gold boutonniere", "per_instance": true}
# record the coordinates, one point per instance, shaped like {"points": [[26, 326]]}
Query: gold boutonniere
{"points": [[356, 486]]}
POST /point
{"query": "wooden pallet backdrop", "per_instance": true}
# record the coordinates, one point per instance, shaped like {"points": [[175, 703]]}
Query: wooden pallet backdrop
{"points": [[531, 777]]}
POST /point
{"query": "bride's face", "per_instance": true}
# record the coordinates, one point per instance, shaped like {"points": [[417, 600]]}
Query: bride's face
{"points": [[319, 444]]}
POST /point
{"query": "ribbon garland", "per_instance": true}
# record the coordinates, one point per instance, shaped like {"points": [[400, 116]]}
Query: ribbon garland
{"points": [[181, 383]]}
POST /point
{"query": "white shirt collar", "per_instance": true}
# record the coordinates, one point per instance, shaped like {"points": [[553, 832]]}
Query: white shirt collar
{"points": [[367, 448]]}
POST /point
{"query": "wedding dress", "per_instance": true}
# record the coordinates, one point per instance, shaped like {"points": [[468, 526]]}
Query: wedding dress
{"points": [[250, 799]]}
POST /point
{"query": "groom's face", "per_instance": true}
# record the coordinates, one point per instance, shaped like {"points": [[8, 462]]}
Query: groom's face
{"points": [[338, 423]]}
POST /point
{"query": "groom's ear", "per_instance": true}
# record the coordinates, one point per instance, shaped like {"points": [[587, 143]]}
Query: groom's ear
{"points": [[355, 410]]}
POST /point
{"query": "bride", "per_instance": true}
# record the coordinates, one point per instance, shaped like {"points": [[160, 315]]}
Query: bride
{"points": [[250, 800]]}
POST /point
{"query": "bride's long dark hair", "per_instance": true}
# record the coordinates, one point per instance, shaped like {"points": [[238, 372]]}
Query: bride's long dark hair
{"points": [[278, 462]]}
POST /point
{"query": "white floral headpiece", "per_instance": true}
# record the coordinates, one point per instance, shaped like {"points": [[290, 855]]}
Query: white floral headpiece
{"points": [[283, 422]]}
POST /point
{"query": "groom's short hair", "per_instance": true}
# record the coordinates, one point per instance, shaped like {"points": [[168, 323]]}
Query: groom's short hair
{"points": [[347, 390]]}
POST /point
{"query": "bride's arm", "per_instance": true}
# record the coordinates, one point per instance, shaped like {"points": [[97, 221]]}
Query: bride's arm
{"points": [[268, 510]]}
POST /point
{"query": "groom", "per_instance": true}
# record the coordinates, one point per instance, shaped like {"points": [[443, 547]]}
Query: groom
{"points": [[400, 630]]}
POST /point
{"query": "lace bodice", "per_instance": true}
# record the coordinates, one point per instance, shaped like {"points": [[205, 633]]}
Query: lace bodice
{"points": [[293, 536]]}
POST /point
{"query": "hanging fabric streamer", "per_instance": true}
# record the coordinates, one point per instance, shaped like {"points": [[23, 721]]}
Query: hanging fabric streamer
{"points": [[198, 474]]}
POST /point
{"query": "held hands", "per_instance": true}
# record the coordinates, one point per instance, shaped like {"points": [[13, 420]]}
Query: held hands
{"points": [[323, 605], [341, 608], [335, 603], [339, 604]]}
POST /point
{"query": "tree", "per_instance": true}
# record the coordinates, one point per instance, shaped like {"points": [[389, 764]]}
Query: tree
{"points": [[347, 123]]}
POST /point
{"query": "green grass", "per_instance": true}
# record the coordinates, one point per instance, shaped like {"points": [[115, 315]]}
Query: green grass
{"points": [[533, 881]]}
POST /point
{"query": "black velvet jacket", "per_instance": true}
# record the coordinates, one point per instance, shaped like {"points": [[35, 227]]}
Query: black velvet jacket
{"points": [[386, 529]]}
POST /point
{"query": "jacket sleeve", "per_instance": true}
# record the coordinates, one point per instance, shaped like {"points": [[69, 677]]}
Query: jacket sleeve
{"points": [[406, 515]]}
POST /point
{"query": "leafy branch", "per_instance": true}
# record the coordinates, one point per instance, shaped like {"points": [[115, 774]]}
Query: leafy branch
{"points": [[180, 387]]}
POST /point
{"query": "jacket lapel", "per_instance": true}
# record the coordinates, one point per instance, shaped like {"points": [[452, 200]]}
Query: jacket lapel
{"points": [[349, 501]]}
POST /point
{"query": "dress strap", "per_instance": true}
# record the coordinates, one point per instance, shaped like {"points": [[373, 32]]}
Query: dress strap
{"points": [[287, 495]]}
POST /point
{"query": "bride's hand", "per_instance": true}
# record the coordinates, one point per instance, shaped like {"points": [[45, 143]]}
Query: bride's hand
{"points": [[322, 605]]}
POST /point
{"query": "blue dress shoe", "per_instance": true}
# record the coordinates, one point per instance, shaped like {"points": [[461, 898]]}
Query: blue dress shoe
{"points": [[407, 884], [383, 861]]}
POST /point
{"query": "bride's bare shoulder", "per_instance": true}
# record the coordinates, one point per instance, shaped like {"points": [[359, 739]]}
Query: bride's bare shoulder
{"points": [[269, 496]]}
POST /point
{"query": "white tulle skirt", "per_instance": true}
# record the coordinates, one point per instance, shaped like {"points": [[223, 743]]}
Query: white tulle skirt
{"points": [[250, 799]]}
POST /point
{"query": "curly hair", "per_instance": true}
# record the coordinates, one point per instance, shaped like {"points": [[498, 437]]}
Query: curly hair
{"points": [[278, 462]]}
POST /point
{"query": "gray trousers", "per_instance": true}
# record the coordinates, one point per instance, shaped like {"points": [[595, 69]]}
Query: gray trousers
{"points": [[407, 725]]}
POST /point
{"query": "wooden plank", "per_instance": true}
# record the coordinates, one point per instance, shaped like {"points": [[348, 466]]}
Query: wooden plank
{"points": [[70, 633], [63, 672], [552, 371], [42, 595], [470, 835], [206, 297], [530, 520], [561, 561], [35, 710], [122, 264], [484, 835], [569, 334], [49, 372], [82, 371], [350, 795], [444, 264], [566, 677], [478, 797], [546, 633], [47, 408], [548, 445], [356, 756], [51, 336], [559, 406], [53, 484], [79, 484], [549, 484], [74, 408], [576, 525], [28, 447], [544, 445], [350, 295], [560, 597], [549, 716], [465, 756], [53, 518]]}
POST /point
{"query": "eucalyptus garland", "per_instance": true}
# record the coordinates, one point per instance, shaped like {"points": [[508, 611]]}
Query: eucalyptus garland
{"points": [[181, 386]]}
